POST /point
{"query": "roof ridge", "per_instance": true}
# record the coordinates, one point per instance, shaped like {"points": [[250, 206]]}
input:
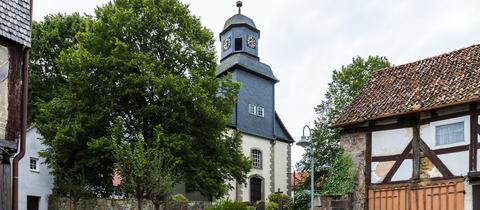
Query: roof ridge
{"points": [[428, 58]]}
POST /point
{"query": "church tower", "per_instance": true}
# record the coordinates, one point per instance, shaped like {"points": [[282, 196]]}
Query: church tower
{"points": [[266, 141]]}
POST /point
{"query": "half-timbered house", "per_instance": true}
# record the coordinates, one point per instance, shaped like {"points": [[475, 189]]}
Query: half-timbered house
{"points": [[15, 32], [413, 134]]}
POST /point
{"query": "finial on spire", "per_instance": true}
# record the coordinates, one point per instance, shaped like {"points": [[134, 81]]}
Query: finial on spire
{"points": [[239, 5]]}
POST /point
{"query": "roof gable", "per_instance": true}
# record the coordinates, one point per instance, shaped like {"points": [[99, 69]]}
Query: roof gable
{"points": [[440, 81], [281, 131]]}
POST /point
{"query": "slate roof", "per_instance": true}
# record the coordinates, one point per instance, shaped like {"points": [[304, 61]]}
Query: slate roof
{"points": [[281, 131], [237, 20], [250, 63], [448, 79], [15, 21]]}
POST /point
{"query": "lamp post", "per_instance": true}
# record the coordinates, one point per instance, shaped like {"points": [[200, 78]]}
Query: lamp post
{"points": [[305, 142]]}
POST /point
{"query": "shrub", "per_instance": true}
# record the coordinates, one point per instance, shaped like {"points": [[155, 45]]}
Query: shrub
{"points": [[341, 177], [229, 205], [282, 199], [179, 198], [271, 206], [302, 199]]}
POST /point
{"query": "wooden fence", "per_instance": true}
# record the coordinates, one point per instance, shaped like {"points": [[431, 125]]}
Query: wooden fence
{"points": [[435, 195]]}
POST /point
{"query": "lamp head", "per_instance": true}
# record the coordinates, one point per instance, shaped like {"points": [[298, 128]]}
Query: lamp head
{"points": [[303, 142]]}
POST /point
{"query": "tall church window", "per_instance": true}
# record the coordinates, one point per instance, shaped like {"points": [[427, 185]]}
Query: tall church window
{"points": [[238, 44], [257, 158]]}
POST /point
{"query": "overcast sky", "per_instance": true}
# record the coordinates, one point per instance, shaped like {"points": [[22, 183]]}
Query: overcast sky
{"points": [[304, 41]]}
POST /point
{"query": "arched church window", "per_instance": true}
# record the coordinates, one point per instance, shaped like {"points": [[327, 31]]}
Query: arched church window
{"points": [[257, 158]]}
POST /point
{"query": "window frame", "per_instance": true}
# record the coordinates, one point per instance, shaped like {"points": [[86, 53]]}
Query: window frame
{"points": [[262, 111], [252, 109], [436, 139], [37, 166], [259, 155]]}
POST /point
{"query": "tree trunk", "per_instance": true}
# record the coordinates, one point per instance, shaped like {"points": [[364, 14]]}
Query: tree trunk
{"points": [[157, 206], [140, 203]]}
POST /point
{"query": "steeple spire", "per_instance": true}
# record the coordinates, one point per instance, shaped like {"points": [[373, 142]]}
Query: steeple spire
{"points": [[239, 5]]}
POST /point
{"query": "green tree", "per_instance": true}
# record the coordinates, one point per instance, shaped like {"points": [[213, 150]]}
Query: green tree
{"points": [[344, 87], [49, 37], [151, 64], [341, 177], [147, 170]]}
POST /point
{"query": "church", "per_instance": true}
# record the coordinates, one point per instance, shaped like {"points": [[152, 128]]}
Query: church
{"points": [[265, 139]]}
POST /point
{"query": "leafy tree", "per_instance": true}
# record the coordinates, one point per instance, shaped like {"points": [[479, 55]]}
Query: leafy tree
{"points": [[147, 170], [344, 86], [150, 64], [49, 37], [341, 177]]}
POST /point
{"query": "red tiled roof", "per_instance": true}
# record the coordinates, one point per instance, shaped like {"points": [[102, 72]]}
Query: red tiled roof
{"points": [[440, 81]]}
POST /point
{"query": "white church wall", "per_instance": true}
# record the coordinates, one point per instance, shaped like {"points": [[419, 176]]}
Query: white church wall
{"points": [[281, 167]]}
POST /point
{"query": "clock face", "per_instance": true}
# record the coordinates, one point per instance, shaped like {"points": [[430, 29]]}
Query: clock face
{"points": [[227, 43], [251, 42]]}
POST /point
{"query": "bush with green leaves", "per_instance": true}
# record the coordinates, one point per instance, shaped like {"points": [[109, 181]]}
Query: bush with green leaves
{"points": [[302, 199], [281, 199], [229, 205], [271, 206], [340, 180], [179, 198]]}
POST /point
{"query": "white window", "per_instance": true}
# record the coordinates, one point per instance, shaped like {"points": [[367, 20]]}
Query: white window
{"points": [[257, 158], [252, 109], [450, 133], [256, 110], [34, 164], [260, 111]]}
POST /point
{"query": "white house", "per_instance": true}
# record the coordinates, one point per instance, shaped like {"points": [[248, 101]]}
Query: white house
{"points": [[35, 182]]}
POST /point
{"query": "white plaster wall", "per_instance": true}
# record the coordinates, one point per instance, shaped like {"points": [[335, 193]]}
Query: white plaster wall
{"points": [[468, 196], [427, 133], [281, 166], [34, 183], [457, 162], [252, 142], [390, 142], [404, 172]]}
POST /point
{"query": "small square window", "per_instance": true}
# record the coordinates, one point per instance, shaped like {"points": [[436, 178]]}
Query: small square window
{"points": [[450, 133], [34, 164], [260, 111], [252, 109]]}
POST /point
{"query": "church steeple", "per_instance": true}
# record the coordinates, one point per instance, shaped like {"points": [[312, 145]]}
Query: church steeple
{"points": [[239, 35]]}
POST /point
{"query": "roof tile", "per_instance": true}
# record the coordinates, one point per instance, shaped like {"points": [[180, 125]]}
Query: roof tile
{"points": [[451, 78]]}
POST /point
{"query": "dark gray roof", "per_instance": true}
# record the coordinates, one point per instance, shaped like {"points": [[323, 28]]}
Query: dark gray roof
{"points": [[281, 131], [15, 21], [245, 61], [239, 19]]}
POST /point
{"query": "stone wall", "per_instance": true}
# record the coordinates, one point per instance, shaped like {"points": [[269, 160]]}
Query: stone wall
{"points": [[56, 203], [354, 144]]}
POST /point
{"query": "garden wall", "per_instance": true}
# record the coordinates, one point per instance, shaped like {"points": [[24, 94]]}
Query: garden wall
{"points": [[56, 203]]}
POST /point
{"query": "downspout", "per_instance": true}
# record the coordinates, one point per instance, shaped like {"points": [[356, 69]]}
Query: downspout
{"points": [[23, 139], [21, 154]]}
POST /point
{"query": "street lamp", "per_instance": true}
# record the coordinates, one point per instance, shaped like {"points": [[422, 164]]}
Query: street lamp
{"points": [[305, 142]]}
